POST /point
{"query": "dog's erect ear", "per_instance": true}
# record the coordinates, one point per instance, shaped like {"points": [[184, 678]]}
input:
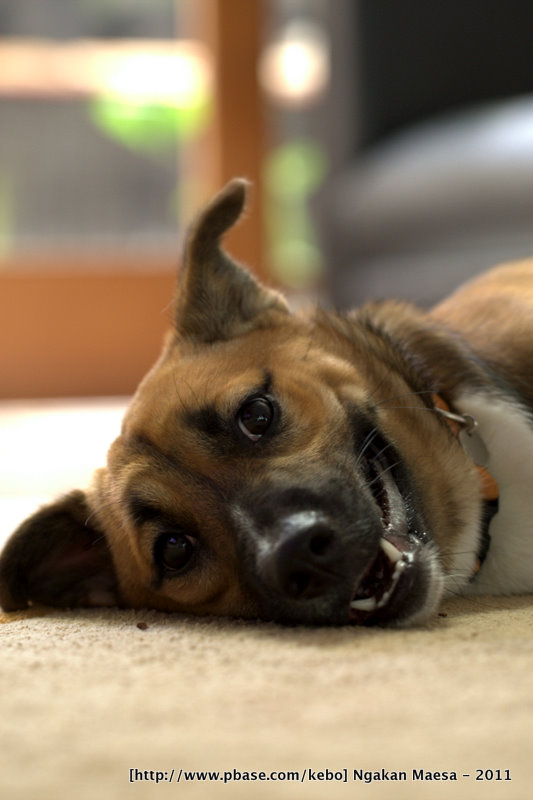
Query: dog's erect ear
{"points": [[216, 298], [57, 558]]}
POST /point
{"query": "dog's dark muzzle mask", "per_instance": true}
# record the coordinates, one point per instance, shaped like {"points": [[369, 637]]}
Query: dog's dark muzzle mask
{"points": [[341, 554], [303, 555]]}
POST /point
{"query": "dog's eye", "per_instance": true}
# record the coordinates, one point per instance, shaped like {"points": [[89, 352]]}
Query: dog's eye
{"points": [[174, 550], [255, 418]]}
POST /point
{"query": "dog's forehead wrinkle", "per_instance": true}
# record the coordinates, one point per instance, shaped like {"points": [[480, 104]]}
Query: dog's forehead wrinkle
{"points": [[152, 454], [164, 481]]}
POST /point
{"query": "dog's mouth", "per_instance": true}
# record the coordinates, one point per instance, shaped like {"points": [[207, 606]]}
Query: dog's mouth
{"points": [[363, 557], [387, 587]]}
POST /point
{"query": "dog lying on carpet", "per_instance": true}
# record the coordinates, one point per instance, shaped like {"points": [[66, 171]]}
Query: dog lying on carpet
{"points": [[322, 469]]}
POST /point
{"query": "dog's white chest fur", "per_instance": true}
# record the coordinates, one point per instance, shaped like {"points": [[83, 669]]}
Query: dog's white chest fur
{"points": [[508, 435]]}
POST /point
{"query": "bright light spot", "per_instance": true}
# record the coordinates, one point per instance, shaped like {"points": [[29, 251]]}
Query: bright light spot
{"points": [[177, 78], [295, 69]]}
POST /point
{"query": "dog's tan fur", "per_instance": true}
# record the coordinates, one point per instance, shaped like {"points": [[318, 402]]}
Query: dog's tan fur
{"points": [[386, 360], [495, 314]]}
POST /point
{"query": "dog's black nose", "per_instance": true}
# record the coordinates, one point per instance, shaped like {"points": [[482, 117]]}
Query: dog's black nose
{"points": [[303, 559]]}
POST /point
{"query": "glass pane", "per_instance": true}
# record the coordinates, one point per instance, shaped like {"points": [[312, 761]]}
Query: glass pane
{"points": [[63, 179], [294, 71], [99, 101], [57, 19]]}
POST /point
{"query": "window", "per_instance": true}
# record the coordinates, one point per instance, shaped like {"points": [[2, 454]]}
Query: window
{"points": [[118, 118]]}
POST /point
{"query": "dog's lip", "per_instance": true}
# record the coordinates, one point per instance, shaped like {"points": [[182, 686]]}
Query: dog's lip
{"points": [[381, 590], [379, 594]]}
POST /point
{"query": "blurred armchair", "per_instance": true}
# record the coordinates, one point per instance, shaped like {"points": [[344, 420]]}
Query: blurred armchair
{"points": [[439, 182]]}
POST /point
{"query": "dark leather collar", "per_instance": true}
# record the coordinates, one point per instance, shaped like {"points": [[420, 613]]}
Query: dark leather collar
{"points": [[489, 488]]}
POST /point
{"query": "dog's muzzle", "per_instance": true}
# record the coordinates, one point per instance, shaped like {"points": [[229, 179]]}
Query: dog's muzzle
{"points": [[336, 556], [301, 563], [303, 559]]}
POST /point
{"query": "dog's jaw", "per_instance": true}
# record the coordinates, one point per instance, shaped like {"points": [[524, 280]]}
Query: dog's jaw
{"points": [[407, 589], [364, 559], [404, 585]]}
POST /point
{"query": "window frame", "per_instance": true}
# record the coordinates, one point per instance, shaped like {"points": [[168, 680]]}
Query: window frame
{"points": [[80, 324]]}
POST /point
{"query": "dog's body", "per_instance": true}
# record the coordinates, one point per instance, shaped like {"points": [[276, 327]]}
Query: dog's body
{"points": [[316, 469]]}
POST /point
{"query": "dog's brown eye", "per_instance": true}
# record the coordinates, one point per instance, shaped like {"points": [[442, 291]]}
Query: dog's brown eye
{"points": [[255, 418], [175, 550]]}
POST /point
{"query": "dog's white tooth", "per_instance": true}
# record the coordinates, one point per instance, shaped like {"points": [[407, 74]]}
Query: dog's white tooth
{"points": [[364, 604], [392, 552]]}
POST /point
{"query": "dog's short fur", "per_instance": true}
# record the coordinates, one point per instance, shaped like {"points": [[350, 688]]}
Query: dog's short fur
{"points": [[297, 468]]}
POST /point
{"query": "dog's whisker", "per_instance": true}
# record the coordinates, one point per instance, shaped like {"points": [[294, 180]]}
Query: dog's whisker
{"points": [[381, 473], [380, 384], [455, 576], [366, 444], [178, 393], [451, 553], [383, 450], [91, 515]]}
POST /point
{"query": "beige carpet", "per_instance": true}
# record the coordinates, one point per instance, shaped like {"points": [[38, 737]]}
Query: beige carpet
{"points": [[88, 696]]}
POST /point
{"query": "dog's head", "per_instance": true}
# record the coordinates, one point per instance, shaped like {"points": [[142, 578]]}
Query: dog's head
{"points": [[270, 465]]}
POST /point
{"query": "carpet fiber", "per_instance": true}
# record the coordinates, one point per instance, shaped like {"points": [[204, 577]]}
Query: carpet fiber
{"points": [[89, 696], [93, 699]]}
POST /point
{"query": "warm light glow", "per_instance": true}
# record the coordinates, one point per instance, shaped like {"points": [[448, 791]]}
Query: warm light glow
{"points": [[176, 78], [173, 72], [295, 68]]}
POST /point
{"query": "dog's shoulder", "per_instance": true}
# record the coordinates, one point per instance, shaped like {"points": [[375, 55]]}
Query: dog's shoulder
{"points": [[493, 314]]}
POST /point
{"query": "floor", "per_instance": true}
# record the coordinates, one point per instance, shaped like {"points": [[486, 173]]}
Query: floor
{"points": [[102, 697], [48, 447]]}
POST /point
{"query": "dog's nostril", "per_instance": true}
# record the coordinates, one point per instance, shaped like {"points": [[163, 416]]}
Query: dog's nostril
{"points": [[298, 584], [320, 542], [304, 562]]}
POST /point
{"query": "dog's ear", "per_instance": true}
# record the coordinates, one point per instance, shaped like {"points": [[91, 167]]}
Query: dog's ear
{"points": [[57, 558], [217, 298]]}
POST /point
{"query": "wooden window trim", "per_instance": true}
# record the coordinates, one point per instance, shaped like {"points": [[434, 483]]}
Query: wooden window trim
{"points": [[76, 333], [94, 329]]}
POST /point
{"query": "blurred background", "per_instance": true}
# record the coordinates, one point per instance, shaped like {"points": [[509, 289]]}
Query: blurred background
{"points": [[390, 145]]}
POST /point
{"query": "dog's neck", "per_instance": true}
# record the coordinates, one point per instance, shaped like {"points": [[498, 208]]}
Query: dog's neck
{"points": [[464, 428], [507, 430]]}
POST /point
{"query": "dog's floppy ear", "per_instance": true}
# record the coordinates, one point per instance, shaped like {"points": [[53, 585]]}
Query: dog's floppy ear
{"points": [[217, 298], [57, 558]]}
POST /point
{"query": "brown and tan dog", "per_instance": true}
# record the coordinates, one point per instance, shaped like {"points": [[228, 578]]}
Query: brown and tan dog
{"points": [[318, 469]]}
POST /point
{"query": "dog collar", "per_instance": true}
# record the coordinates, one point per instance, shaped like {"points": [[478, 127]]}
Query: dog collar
{"points": [[464, 428]]}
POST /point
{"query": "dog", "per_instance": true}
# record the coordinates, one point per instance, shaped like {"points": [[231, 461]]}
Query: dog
{"points": [[306, 469]]}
